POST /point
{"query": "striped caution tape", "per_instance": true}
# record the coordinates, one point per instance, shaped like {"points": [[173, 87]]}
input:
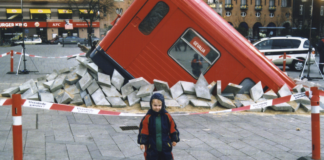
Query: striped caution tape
{"points": [[30, 55], [76, 109], [4, 54]]}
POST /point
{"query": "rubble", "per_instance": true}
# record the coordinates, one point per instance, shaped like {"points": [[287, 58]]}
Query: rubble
{"points": [[256, 91]]}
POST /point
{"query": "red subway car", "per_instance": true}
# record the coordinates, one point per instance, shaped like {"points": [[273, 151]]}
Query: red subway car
{"points": [[174, 40]]}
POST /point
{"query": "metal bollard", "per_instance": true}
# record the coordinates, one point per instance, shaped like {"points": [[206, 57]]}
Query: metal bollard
{"points": [[316, 132], [17, 136], [11, 63], [284, 62]]}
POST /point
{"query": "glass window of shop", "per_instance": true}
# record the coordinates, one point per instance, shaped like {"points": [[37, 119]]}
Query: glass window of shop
{"points": [[74, 32], [14, 14], [84, 14], [64, 14], [40, 14]]}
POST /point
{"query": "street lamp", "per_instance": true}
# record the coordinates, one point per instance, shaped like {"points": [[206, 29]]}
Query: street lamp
{"points": [[25, 71]]}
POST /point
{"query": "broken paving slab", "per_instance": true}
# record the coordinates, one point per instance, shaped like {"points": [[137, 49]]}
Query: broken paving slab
{"points": [[58, 83], [284, 91], [242, 97], [87, 100], [85, 81], [202, 81], [183, 101], [40, 85], [219, 87], [34, 97], [199, 103], [104, 79], [161, 85], [116, 102], [294, 105], [52, 76], [225, 102], [306, 107], [93, 75], [28, 93], [132, 99], [110, 91], [256, 91], [72, 78], [282, 107], [93, 87], [64, 70], [127, 89], [66, 98], [29, 84], [303, 100], [83, 94], [228, 95], [232, 88], [48, 84], [8, 92], [138, 82], [247, 102], [171, 103], [99, 98], [146, 98], [117, 79], [47, 97], [238, 103], [299, 88], [72, 89], [77, 100], [188, 87], [82, 60], [93, 67], [270, 95], [212, 87], [145, 105], [81, 70], [145, 91], [176, 90], [202, 91]]}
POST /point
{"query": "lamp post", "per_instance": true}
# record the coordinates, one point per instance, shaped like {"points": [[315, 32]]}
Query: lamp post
{"points": [[25, 71], [310, 40]]}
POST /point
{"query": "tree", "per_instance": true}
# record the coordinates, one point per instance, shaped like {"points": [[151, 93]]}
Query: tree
{"points": [[92, 11]]}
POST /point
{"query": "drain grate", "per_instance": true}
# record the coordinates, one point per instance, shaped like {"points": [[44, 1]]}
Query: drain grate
{"points": [[125, 128]]}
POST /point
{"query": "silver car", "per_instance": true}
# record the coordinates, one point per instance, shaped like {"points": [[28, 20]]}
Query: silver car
{"points": [[72, 40]]}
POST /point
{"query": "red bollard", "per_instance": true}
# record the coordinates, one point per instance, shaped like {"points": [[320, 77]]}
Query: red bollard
{"points": [[284, 62], [11, 63], [316, 132], [17, 127]]}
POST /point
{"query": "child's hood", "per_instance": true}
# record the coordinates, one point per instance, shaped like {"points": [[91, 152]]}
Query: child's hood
{"points": [[160, 97]]}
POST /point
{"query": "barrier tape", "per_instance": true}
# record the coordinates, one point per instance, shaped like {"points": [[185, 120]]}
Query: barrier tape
{"points": [[4, 54], [30, 55], [76, 109]]}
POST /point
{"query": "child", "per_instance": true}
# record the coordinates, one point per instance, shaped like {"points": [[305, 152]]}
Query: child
{"points": [[158, 131]]}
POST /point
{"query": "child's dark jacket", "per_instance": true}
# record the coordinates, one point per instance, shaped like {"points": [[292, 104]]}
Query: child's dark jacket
{"points": [[147, 132]]}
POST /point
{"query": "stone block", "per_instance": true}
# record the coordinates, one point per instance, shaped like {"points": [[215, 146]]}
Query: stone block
{"points": [[238, 103], [242, 97], [82, 60], [212, 87], [28, 93], [199, 103], [117, 80], [29, 84], [58, 95], [72, 78], [247, 102], [111, 91], [202, 91], [171, 103], [93, 75], [104, 79], [145, 91], [40, 85], [127, 89], [303, 100], [81, 70], [306, 107], [77, 100], [299, 88], [232, 88], [99, 98], [132, 99], [161, 85], [116, 102], [225, 102], [8, 92], [188, 87], [45, 90], [42, 78], [256, 91], [83, 94], [228, 95], [66, 98], [146, 98], [261, 100], [93, 67], [213, 102], [167, 95], [282, 107], [48, 84], [219, 87], [87, 100], [284, 91], [93, 87], [52, 76], [145, 105], [85, 81], [295, 106], [64, 70], [72, 89], [47, 97], [202, 81], [176, 90], [34, 97], [138, 82], [183, 101], [270, 95], [58, 83]]}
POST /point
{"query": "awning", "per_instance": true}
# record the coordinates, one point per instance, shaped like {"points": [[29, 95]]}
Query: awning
{"points": [[64, 11], [84, 11], [40, 11], [13, 11]]}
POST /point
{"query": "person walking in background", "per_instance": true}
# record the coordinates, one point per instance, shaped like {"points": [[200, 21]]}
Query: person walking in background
{"points": [[196, 65], [320, 50], [158, 132]]}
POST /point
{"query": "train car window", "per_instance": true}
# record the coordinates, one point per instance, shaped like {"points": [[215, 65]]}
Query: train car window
{"points": [[153, 18], [193, 53], [246, 84]]}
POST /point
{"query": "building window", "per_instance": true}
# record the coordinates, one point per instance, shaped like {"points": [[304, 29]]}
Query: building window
{"points": [[258, 2], [243, 2], [271, 3], [322, 10], [227, 2], [243, 14], [310, 10], [301, 9], [283, 3], [271, 15], [287, 15], [228, 13], [257, 14]]}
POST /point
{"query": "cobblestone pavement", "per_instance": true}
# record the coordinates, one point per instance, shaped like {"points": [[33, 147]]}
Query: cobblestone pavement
{"points": [[49, 134]]}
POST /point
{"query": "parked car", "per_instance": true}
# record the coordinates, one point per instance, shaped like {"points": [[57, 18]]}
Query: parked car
{"points": [[296, 49], [72, 40], [30, 40], [54, 40], [94, 38]]}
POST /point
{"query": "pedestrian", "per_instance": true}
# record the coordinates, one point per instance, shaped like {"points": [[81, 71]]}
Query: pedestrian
{"points": [[320, 50], [158, 132], [196, 65]]}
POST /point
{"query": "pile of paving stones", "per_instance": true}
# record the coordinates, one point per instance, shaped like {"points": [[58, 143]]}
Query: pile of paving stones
{"points": [[87, 85]]}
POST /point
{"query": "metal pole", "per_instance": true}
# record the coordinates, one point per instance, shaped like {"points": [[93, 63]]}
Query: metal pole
{"points": [[17, 136], [316, 129], [310, 40], [23, 43]]}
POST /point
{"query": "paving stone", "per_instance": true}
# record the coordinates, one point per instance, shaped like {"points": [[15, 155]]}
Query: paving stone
{"points": [[117, 80], [99, 98], [58, 92], [202, 81], [183, 101], [72, 89], [256, 91], [242, 97], [145, 91], [161, 85], [83, 94], [213, 102], [247, 102], [146, 98], [33, 97], [282, 107], [58, 95], [116, 102], [188, 87], [93, 75], [145, 105], [138, 82], [284, 91], [238, 103], [199, 103], [111, 91], [52, 76], [77, 100], [58, 83], [47, 97], [87, 100], [42, 78], [45, 90], [303, 100], [25, 86], [167, 95], [176, 90], [28, 93], [270, 95], [132, 99], [66, 98], [64, 70], [127, 89], [8, 92], [228, 95], [81, 70], [232, 88], [219, 87], [93, 87], [104, 79], [306, 107], [294, 105], [261, 100], [299, 88], [225, 102], [48, 84], [212, 87], [40, 85], [82, 60], [202, 91], [85, 81], [93, 67], [72, 78], [171, 103]]}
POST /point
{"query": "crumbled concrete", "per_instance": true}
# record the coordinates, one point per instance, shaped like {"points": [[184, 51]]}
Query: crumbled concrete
{"points": [[247, 102], [46, 97], [77, 100], [299, 88], [138, 82], [270, 95], [64, 70], [256, 91], [225, 102], [284, 91], [188, 87], [104, 79], [72, 78], [85, 81], [127, 89], [25, 86], [202, 81], [117, 79], [228, 95], [199, 103], [303, 100], [183, 101], [213, 102], [93, 67], [42, 78], [72, 90], [232, 88], [8, 92], [145, 105], [132, 99], [93, 87], [238, 103], [176, 90], [40, 85], [81, 70], [146, 98], [82, 60], [87, 100], [48, 84], [171, 103], [52, 76], [58, 95], [33, 97], [202, 92], [167, 95], [219, 87], [111, 91], [145, 91], [306, 107], [295, 106], [58, 83], [93, 75], [282, 107], [99, 98], [116, 102], [242, 97], [28, 93], [212, 87], [161, 85], [83, 94], [66, 98]]}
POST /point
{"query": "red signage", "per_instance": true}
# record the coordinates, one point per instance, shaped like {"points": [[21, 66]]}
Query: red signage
{"points": [[200, 46], [47, 24], [55, 24], [26, 24], [75, 24], [69, 26]]}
